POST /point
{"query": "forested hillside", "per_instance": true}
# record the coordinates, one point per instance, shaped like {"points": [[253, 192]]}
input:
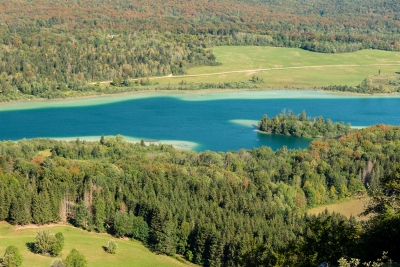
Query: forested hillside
{"points": [[216, 209], [48, 47]]}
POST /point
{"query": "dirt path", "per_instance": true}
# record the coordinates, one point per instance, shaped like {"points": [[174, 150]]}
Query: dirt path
{"points": [[33, 226], [256, 70]]}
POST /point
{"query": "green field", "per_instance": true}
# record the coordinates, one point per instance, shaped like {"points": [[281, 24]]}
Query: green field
{"points": [[292, 67], [349, 208], [129, 253]]}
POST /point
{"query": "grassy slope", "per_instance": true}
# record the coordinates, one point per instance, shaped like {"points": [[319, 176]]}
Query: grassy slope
{"points": [[352, 207], [235, 58], [129, 253]]}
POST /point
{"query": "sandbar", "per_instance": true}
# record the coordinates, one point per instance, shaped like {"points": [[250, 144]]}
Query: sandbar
{"points": [[198, 95], [246, 123]]}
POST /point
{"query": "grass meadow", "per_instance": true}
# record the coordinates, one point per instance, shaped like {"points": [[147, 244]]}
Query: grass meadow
{"points": [[291, 67], [352, 207], [129, 253]]}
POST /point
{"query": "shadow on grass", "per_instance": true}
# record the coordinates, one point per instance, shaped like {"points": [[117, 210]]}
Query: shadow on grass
{"points": [[104, 248], [31, 246]]}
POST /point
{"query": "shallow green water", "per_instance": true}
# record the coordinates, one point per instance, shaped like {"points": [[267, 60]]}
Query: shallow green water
{"points": [[218, 122]]}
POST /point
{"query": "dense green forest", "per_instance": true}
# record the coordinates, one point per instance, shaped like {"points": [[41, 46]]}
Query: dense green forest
{"points": [[216, 209], [48, 48], [301, 126]]}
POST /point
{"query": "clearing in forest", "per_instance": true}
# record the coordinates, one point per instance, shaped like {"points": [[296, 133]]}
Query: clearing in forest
{"points": [[129, 253], [291, 67], [353, 207]]}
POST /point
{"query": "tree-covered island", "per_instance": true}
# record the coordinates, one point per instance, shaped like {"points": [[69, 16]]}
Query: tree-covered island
{"points": [[302, 126]]}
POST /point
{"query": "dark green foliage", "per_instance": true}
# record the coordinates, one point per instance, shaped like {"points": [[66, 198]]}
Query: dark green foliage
{"points": [[99, 214], [12, 257], [326, 238], [259, 256], [19, 210], [82, 216], [381, 232], [301, 126], [383, 229], [58, 246], [75, 259], [130, 225]]}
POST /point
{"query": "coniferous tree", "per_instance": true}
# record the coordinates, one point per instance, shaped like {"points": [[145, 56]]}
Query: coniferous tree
{"points": [[19, 210], [99, 213], [82, 216]]}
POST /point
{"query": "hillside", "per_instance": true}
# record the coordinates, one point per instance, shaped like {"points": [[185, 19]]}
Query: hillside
{"points": [[92, 41], [209, 207], [130, 253]]}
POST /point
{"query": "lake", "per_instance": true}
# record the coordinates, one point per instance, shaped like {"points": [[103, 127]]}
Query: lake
{"points": [[219, 122]]}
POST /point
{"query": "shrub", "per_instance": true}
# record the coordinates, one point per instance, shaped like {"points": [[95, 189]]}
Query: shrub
{"points": [[12, 257], [112, 247]]}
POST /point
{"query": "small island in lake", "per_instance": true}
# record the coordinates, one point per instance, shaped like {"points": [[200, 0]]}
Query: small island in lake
{"points": [[301, 126]]}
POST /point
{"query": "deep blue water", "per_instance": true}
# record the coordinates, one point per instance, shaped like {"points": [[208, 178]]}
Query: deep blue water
{"points": [[204, 122]]}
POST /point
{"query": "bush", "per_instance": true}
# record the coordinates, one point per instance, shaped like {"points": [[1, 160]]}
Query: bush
{"points": [[12, 257], [112, 247], [47, 243], [75, 259]]}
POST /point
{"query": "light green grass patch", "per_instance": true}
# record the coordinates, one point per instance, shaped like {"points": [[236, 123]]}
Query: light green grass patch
{"points": [[259, 57], [129, 253], [293, 67]]}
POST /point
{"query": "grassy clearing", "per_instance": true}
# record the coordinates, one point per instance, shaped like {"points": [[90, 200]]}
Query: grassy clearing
{"points": [[129, 253], [352, 207], [300, 68], [260, 57]]}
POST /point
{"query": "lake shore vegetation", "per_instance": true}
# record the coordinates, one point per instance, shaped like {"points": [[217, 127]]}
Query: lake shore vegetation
{"points": [[302, 126]]}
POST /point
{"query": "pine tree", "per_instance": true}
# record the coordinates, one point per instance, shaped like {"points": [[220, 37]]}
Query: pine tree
{"points": [[102, 140], [99, 213], [82, 216], [19, 210]]}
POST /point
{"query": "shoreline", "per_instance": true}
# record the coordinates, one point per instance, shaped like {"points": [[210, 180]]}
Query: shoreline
{"points": [[179, 144], [182, 94]]}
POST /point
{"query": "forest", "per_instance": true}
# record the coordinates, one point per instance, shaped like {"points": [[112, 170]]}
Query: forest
{"points": [[243, 208], [48, 49]]}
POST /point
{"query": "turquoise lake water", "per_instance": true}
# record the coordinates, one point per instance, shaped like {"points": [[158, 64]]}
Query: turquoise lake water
{"points": [[214, 122]]}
